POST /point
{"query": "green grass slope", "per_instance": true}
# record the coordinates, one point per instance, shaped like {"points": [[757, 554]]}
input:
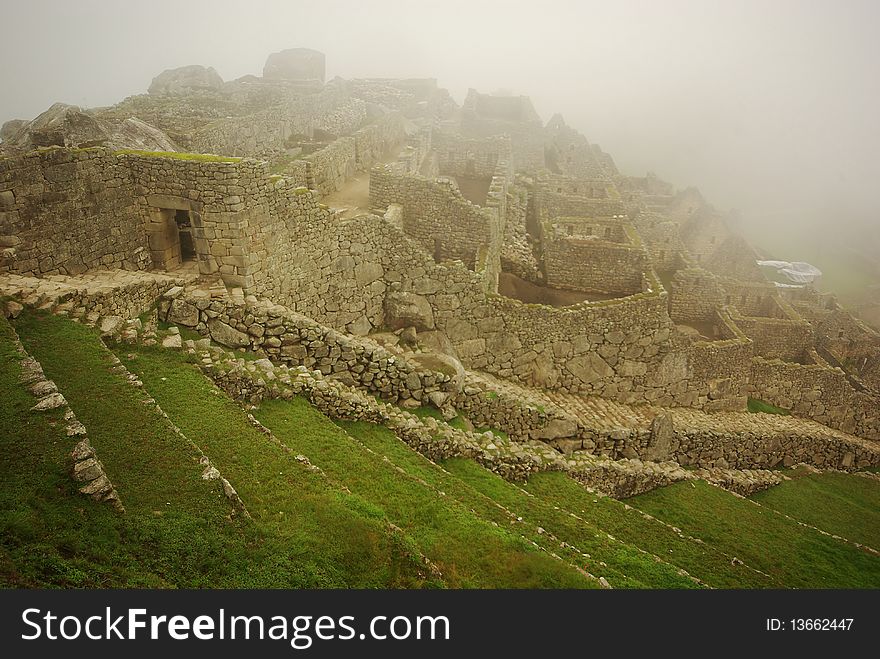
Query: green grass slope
{"points": [[628, 524], [842, 504], [796, 556], [178, 527], [493, 498], [470, 551]]}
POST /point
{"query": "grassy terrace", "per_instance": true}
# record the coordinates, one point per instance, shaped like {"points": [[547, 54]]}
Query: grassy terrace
{"points": [[841, 504], [175, 155], [756, 405], [178, 530], [374, 512], [470, 551], [703, 561], [796, 556], [54, 537], [493, 498]]}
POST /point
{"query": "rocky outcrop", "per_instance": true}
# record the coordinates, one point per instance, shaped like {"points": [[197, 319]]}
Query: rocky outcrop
{"points": [[69, 126], [136, 134], [295, 64], [60, 125], [9, 129], [185, 80]]}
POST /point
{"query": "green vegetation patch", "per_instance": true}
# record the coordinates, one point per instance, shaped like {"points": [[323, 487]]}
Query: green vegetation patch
{"points": [[53, 536], [631, 526], [310, 532], [794, 555], [470, 551], [842, 504], [174, 155], [622, 564], [756, 406]]}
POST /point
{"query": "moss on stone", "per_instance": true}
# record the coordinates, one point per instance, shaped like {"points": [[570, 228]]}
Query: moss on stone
{"points": [[198, 157]]}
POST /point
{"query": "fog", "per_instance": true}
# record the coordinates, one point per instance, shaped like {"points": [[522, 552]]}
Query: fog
{"points": [[767, 107]]}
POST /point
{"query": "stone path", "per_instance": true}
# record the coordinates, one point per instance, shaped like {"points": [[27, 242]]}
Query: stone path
{"points": [[605, 415], [62, 293]]}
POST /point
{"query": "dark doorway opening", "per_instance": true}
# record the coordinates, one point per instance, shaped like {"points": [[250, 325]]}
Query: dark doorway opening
{"points": [[184, 232]]}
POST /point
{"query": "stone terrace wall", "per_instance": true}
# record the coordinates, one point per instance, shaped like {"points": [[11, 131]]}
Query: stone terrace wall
{"points": [[66, 211], [288, 337], [434, 213], [817, 392], [752, 451], [342, 273]]}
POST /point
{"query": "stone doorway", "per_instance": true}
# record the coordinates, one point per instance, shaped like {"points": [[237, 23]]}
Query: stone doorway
{"points": [[185, 236], [176, 235]]}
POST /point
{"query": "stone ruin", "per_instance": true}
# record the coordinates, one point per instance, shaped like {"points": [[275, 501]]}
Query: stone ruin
{"points": [[506, 264]]}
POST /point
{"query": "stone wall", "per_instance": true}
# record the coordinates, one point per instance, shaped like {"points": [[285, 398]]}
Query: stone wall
{"points": [[788, 338], [754, 298], [662, 241], [694, 295], [471, 157], [598, 187], [227, 201], [593, 255], [327, 169], [517, 255], [749, 451], [817, 392], [550, 204], [720, 369], [434, 213], [66, 211], [291, 338]]}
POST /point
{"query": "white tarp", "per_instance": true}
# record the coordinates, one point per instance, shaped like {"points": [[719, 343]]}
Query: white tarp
{"points": [[796, 272]]}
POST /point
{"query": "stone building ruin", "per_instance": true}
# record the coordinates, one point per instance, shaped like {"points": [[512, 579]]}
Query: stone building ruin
{"points": [[486, 250]]}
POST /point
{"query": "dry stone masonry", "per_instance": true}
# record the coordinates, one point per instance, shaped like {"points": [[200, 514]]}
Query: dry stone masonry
{"points": [[647, 324]]}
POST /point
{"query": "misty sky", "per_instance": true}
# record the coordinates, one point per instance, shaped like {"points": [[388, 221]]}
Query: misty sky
{"points": [[768, 106]]}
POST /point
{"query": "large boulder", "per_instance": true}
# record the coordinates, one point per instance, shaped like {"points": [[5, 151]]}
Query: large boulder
{"points": [[226, 335], [295, 64], [408, 310], [68, 126], [136, 134], [185, 80], [60, 125], [9, 129]]}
